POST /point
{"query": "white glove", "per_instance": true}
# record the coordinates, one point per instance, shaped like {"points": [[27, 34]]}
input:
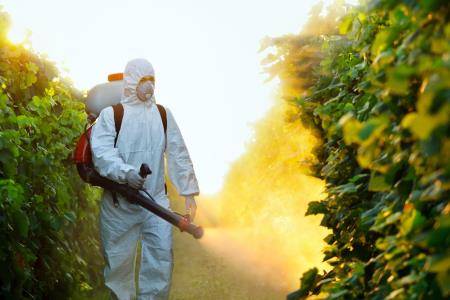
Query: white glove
{"points": [[135, 180], [191, 207]]}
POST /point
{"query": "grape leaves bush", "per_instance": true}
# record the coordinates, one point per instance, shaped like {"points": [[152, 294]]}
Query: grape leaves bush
{"points": [[376, 88], [48, 217]]}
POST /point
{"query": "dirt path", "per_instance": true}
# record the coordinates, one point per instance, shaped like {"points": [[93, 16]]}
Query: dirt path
{"points": [[199, 274]]}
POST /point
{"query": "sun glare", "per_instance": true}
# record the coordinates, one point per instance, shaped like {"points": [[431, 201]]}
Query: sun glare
{"points": [[18, 35]]}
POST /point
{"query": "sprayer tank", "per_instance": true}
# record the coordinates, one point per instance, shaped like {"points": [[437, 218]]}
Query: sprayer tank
{"points": [[104, 95]]}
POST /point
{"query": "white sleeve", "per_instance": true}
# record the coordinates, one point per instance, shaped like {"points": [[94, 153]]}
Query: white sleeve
{"points": [[106, 158], [179, 164]]}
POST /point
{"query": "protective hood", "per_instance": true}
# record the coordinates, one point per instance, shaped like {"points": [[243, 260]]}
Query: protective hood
{"points": [[134, 71]]}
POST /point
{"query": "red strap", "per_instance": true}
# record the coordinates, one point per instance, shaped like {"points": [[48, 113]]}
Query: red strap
{"points": [[162, 112], [118, 116]]}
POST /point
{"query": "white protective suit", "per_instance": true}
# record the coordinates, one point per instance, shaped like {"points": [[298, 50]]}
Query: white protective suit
{"points": [[141, 140]]}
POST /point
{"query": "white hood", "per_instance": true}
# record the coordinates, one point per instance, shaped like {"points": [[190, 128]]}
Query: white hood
{"points": [[134, 71]]}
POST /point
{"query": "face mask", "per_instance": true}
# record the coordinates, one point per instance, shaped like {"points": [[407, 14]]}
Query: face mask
{"points": [[145, 90]]}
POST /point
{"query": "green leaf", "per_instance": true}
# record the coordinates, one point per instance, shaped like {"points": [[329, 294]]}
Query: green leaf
{"points": [[399, 79], [32, 67], [306, 283], [316, 207], [337, 295], [381, 42], [395, 294], [3, 101], [347, 188], [351, 131], [11, 192], [423, 124], [377, 183], [308, 278], [438, 263], [21, 222], [412, 220], [70, 216], [357, 178], [30, 79], [365, 132], [383, 59], [443, 279], [346, 24], [24, 121], [9, 163], [382, 222]]}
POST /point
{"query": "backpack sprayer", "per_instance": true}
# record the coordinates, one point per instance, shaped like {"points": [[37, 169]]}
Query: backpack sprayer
{"points": [[99, 97]]}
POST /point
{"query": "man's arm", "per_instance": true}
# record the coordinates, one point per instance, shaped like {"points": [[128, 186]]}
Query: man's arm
{"points": [[105, 156], [179, 164]]}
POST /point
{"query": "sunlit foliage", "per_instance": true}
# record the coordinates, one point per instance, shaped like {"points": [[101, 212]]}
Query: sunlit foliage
{"points": [[380, 96], [48, 218]]}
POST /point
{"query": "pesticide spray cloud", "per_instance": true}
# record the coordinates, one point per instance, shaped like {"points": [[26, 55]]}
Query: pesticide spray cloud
{"points": [[259, 224]]}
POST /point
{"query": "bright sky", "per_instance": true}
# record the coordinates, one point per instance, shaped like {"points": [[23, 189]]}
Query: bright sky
{"points": [[204, 53]]}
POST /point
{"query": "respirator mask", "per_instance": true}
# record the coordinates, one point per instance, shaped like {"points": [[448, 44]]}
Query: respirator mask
{"points": [[145, 88]]}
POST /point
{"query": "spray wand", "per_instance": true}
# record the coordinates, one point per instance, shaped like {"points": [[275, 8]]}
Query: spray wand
{"points": [[148, 202]]}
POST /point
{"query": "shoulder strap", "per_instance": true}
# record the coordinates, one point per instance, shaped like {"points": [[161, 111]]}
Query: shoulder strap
{"points": [[162, 112], [118, 116]]}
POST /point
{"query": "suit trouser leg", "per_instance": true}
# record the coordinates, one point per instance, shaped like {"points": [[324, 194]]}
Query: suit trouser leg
{"points": [[156, 259], [120, 231]]}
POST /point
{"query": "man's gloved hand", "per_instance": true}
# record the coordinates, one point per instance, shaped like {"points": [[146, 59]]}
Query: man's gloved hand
{"points": [[191, 207], [135, 180]]}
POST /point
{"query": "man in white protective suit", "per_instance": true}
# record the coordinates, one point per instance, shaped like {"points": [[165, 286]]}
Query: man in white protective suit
{"points": [[141, 139]]}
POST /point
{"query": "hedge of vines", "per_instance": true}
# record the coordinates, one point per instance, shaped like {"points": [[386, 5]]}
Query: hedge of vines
{"points": [[48, 232], [377, 89]]}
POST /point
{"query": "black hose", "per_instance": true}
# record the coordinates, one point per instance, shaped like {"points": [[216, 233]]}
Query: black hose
{"points": [[91, 176]]}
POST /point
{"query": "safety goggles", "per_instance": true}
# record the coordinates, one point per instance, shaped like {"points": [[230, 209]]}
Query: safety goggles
{"points": [[147, 78]]}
